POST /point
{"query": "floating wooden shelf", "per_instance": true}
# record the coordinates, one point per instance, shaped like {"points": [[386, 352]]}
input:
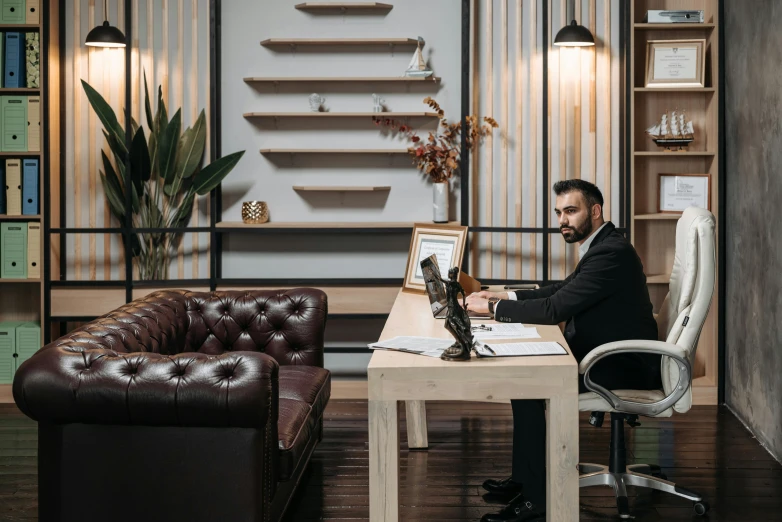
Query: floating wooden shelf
{"points": [[329, 6], [333, 151], [4, 280], [672, 27], [19, 154], [26, 27], [6, 217], [316, 225], [673, 154], [308, 188], [675, 90], [339, 114], [655, 217], [339, 41], [356, 79], [660, 279], [25, 90]]}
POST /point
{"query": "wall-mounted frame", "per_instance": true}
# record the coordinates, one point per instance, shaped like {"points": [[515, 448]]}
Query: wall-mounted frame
{"points": [[446, 242], [676, 192], [675, 63]]}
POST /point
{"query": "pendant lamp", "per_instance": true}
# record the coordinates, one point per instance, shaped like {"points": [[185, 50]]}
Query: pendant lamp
{"points": [[105, 35], [574, 35]]}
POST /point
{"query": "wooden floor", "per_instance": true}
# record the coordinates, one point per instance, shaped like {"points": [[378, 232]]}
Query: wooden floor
{"points": [[707, 450]]}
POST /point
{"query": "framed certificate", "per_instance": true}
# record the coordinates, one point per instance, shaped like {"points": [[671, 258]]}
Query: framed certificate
{"points": [[445, 242], [675, 63], [679, 191]]}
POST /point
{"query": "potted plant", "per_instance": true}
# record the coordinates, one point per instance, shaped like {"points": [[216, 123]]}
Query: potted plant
{"points": [[438, 156], [166, 173]]}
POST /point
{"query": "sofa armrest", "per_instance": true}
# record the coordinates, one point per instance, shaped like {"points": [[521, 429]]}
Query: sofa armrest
{"points": [[71, 383]]}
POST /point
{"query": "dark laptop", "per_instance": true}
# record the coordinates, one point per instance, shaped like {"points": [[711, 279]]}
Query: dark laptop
{"points": [[435, 289]]}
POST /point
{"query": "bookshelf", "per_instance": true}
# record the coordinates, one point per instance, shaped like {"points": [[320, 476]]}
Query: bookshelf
{"points": [[654, 233], [342, 6], [341, 79], [23, 299]]}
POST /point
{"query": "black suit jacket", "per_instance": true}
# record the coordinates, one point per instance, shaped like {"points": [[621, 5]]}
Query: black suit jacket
{"points": [[605, 299]]}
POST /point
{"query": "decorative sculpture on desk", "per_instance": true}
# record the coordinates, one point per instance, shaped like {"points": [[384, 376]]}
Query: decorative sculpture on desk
{"points": [[457, 322]]}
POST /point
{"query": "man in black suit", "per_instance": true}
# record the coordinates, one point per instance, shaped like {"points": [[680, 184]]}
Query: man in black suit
{"points": [[605, 299]]}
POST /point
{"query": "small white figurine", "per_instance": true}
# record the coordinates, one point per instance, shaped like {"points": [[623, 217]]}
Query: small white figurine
{"points": [[378, 103], [316, 101]]}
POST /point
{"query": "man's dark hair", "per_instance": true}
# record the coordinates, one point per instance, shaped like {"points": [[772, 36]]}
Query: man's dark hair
{"points": [[590, 191]]}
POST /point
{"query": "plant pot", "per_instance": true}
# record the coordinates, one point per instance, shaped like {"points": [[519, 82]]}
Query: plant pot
{"points": [[440, 202]]}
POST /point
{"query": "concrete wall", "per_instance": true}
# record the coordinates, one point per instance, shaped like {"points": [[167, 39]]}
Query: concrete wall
{"points": [[753, 98]]}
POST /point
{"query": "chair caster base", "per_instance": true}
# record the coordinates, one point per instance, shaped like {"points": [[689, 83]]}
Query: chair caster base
{"points": [[701, 508]]}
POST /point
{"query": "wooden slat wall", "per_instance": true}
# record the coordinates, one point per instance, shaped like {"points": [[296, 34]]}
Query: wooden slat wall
{"points": [[583, 115], [171, 43]]}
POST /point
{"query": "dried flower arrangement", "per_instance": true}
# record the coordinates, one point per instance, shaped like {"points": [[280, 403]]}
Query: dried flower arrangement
{"points": [[438, 156]]}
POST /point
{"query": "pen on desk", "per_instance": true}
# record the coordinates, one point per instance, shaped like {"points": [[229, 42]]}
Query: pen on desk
{"points": [[489, 348]]}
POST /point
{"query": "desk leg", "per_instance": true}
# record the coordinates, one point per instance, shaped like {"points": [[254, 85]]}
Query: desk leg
{"points": [[383, 461], [417, 437], [562, 458]]}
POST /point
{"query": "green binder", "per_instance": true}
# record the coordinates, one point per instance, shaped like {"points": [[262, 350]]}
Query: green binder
{"points": [[13, 12], [28, 341], [13, 250], [2, 58], [13, 123], [7, 351]]}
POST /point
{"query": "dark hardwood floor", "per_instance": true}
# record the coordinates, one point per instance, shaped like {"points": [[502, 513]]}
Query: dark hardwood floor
{"points": [[706, 450]]}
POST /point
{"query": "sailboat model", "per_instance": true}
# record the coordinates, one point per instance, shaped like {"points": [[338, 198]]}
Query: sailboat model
{"points": [[674, 133], [417, 67]]}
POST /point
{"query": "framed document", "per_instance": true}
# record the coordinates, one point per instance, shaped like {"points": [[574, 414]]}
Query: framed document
{"points": [[675, 63], [446, 242], [679, 191]]}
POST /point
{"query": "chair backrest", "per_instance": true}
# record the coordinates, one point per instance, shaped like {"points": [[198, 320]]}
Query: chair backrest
{"points": [[690, 292]]}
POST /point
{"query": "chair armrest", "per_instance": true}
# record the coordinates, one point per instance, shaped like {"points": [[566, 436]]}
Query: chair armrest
{"points": [[72, 383], [673, 351]]}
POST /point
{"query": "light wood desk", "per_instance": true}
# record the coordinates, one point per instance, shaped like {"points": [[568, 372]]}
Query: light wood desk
{"points": [[397, 376]]}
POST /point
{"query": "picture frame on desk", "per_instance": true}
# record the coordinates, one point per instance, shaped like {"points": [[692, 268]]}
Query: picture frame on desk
{"points": [[676, 192], [444, 241], [675, 63]]}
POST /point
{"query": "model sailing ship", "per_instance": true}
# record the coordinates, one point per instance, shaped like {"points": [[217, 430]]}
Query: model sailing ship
{"points": [[417, 67], [674, 133]]}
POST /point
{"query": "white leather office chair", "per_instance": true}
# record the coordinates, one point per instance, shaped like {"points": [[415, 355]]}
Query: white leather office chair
{"points": [[679, 322]]}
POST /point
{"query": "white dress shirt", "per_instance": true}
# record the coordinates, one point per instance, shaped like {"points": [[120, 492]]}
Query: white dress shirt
{"points": [[582, 249]]}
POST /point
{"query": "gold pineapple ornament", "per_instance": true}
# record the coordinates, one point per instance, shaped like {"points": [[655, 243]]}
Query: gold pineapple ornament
{"points": [[255, 212]]}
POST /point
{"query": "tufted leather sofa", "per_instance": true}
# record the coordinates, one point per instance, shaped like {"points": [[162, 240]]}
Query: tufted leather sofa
{"points": [[180, 406]]}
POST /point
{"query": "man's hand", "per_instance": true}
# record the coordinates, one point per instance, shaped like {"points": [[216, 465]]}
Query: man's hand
{"points": [[477, 303]]}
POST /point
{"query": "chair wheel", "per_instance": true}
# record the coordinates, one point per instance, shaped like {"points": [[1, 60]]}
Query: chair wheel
{"points": [[701, 508]]}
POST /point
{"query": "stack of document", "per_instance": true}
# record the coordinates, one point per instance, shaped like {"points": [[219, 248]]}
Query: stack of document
{"points": [[518, 349], [428, 346], [504, 331]]}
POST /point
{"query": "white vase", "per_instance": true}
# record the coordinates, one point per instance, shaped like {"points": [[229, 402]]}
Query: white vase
{"points": [[440, 202]]}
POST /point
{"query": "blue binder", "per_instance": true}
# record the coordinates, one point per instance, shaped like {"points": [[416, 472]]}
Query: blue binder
{"points": [[30, 187], [3, 208], [14, 60]]}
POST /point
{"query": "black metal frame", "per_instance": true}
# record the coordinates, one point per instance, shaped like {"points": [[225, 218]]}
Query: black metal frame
{"points": [[624, 159], [722, 239], [216, 234]]}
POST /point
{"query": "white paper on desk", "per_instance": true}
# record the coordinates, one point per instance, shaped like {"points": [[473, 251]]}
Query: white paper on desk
{"points": [[433, 353], [413, 344], [508, 349], [506, 331]]}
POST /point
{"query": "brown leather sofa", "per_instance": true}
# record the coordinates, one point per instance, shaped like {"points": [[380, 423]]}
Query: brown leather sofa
{"points": [[180, 406]]}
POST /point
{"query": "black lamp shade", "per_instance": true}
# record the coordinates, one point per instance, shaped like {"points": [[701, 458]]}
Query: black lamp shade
{"points": [[574, 35], [105, 36]]}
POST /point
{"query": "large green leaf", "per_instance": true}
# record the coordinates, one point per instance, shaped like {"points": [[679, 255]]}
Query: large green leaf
{"points": [[116, 207], [140, 163], [184, 211], [148, 107], [153, 154], [166, 154], [161, 117], [105, 114], [191, 148], [211, 175]]}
